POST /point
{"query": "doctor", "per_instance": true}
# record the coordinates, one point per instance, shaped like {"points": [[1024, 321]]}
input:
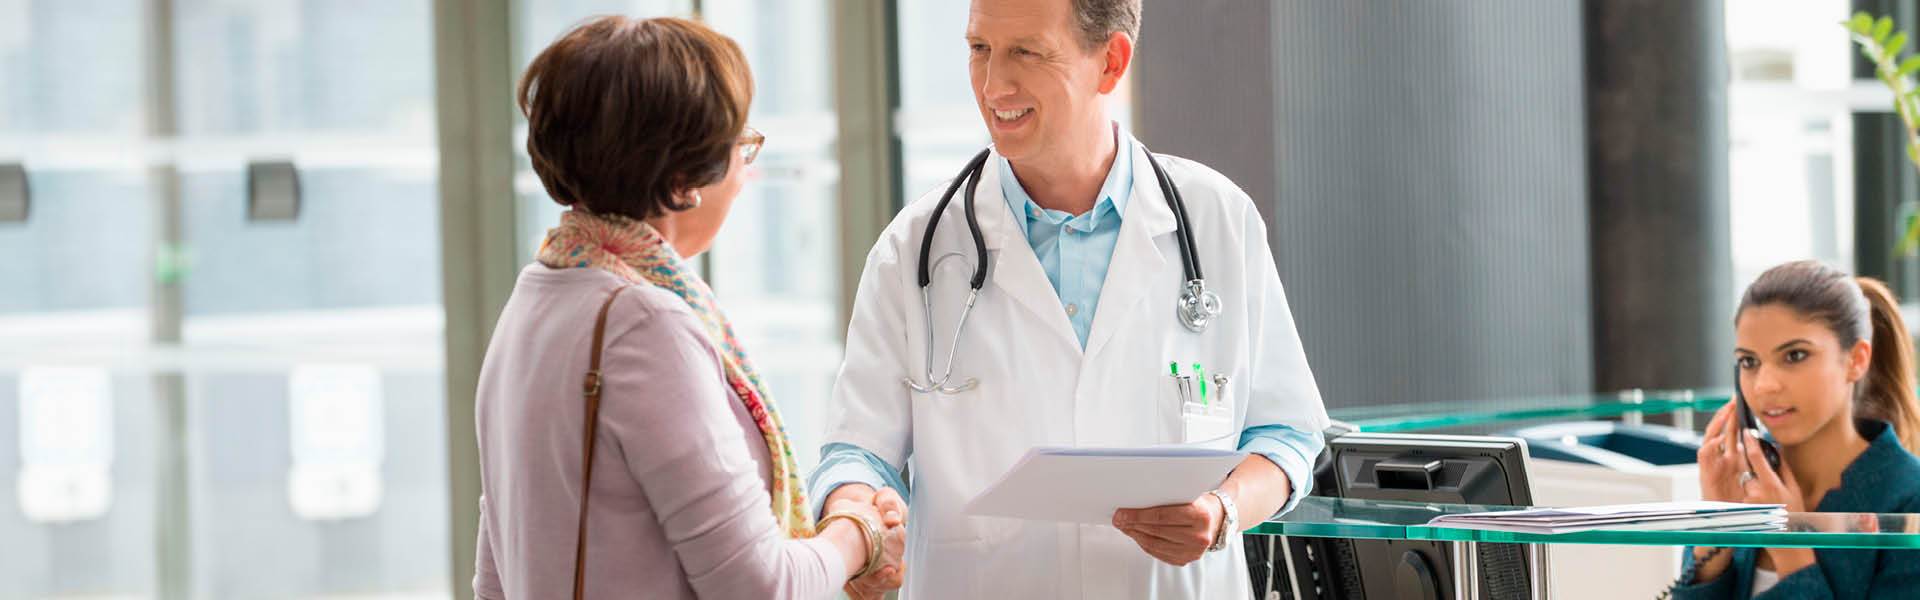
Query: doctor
{"points": [[1070, 341]]}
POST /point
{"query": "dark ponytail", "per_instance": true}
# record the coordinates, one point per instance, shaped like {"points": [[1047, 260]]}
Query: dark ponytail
{"points": [[1854, 309], [1887, 393]]}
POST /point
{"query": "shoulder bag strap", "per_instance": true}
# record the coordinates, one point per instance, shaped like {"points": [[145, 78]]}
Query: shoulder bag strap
{"points": [[591, 391]]}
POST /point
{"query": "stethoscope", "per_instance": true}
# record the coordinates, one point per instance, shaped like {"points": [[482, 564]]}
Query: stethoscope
{"points": [[1196, 309]]}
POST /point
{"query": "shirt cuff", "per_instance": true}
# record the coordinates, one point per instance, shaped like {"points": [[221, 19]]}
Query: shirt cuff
{"points": [[1290, 449], [841, 464]]}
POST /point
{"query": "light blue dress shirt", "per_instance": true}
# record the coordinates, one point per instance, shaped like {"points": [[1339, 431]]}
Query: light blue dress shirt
{"points": [[1075, 251]]}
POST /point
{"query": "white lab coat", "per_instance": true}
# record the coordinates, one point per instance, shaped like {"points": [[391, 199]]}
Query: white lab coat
{"points": [[1037, 386]]}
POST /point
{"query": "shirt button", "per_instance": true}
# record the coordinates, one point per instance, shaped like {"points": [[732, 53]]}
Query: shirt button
{"points": [[1073, 309]]}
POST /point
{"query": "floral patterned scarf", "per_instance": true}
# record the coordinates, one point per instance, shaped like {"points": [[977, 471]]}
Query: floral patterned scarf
{"points": [[636, 252]]}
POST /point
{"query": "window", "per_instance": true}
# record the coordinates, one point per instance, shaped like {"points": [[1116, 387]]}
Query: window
{"points": [[1790, 103], [774, 266], [70, 80], [308, 366], [938, 120]]}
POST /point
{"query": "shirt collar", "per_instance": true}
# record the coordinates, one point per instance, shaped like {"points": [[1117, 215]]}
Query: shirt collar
{"points": [[1115, 192]]}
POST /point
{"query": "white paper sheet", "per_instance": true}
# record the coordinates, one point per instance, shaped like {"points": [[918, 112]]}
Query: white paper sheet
{"points": [[1085, 485]]}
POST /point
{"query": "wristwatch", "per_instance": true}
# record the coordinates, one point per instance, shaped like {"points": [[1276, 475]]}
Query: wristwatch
{"points": [[1227, 523]]}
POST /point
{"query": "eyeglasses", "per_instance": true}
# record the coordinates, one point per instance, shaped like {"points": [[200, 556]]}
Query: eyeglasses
{"points": [[750, 142]]}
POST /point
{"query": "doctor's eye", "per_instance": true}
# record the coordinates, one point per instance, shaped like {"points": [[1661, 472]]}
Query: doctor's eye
{"points": [[977, 48], [1796, 355], [1747, 363]]}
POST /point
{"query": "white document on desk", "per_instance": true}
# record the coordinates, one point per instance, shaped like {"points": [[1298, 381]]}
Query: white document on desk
{"points": [[1085, 485]]}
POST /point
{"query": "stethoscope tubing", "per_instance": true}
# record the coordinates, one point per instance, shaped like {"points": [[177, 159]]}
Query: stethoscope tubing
{"points": [[1197, 304]]}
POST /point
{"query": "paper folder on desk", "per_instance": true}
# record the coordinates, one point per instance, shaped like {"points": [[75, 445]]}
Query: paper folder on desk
{"points": [[1658, 516], [1085, 485]]}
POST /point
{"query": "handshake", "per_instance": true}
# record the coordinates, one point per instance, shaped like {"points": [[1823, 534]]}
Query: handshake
{"points": [[890, 511]]}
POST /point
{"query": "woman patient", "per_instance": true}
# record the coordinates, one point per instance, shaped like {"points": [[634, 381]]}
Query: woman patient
{"points": [[681, 483], [1826, 364]]}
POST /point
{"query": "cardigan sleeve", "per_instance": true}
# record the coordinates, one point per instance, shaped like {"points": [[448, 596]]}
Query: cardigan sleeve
{"points": [[669, 411]]}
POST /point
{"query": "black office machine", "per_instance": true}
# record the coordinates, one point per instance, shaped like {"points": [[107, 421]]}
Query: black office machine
{"points": [[1448, 469]]}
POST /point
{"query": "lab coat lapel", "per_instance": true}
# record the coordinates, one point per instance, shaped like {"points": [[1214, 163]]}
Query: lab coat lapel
{"points": [[1014, 268], [1138, 266]]}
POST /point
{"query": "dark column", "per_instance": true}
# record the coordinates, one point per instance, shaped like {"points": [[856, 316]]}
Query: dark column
{"points": [[1422, 170], [1203, 84], [1657, 125]]}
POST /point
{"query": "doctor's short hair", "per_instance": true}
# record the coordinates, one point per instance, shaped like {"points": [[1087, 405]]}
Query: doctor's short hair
{"points": [[624, 113], [1100, 19]]}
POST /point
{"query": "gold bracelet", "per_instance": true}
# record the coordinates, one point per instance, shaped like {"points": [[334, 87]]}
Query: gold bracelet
{"points": [[866, 529]]}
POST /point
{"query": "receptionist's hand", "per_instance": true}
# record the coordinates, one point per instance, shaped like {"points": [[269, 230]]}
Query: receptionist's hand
{"points": [[1720, 461], [1769, 487], [1176, 534]]}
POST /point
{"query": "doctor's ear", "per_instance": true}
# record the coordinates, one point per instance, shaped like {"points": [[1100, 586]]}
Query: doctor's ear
{"points": [[1119, 58]]}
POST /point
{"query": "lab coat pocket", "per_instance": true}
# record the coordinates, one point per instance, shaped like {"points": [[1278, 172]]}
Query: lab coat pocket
{"points": [[1188, 420], [1208, 430]]}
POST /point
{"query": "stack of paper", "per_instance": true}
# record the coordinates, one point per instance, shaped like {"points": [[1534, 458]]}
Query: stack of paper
{"points": [[1658, 516], [1085, 485]]}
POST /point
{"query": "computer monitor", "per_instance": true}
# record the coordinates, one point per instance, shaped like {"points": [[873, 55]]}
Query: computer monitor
{"points": [[1452, 469]]}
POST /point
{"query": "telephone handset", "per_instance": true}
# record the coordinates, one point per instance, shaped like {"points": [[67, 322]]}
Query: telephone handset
{"points": [[1768, 448]]}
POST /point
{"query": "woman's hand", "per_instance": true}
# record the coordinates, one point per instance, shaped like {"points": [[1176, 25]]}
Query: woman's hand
{"points": [[892, 512], [1720, 461], [1768, 487], [890, 575], [854, 544]]}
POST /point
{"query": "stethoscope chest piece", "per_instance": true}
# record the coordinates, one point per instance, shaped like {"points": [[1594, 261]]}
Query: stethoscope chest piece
{"points": [[1198, 306]]}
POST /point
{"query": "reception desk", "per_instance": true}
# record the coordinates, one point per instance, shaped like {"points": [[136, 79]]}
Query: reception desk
{"points": [[1318, 517], [1629, 562]]}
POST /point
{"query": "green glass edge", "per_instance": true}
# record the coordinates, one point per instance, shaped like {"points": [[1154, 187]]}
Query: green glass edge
{"points": [[1429, 419]]}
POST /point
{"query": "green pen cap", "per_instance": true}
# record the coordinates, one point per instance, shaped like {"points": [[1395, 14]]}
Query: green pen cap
{"points": [[1202, 374]]}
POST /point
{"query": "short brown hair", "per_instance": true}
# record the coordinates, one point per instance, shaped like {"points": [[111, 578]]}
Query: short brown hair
{"points": [[1100, 19], [623, 113]]}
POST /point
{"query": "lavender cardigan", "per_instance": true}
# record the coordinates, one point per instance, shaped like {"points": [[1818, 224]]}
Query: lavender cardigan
{"points": [[679, 508]]}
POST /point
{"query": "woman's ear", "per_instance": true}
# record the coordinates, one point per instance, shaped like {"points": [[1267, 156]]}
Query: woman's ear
{"points": [[1859, 359]]}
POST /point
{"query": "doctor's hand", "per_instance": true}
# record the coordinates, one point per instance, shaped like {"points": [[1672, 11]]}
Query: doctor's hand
{"points": [[1175, 534]]}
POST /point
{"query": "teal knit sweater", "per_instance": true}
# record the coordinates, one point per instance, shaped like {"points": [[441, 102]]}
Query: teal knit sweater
{"points": [[1884, 479]]}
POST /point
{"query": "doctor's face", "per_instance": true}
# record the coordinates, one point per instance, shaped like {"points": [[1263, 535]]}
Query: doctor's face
{"points": [[1037, 86]]}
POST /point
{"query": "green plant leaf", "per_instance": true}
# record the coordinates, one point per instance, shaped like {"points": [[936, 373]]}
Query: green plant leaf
{"points": [[1861, 24], [1910, 240], [1894, 45], [1908, 66], [1870, 51], [1881, 29]]}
